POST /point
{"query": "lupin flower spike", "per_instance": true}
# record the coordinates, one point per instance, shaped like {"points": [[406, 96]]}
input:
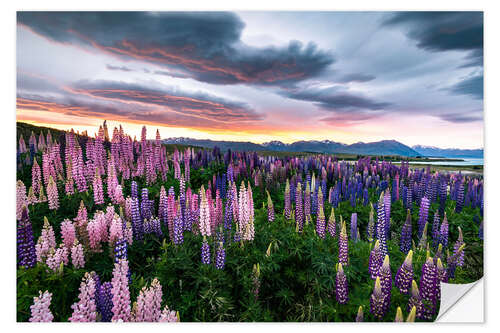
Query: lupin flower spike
{"points": [[399, 316], [360, 315], [412, 315], [404, 276]]}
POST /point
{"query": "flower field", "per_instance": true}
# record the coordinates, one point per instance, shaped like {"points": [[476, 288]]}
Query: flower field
{"points": [[113, 228]]}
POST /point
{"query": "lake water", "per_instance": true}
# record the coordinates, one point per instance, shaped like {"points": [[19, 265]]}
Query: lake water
{"points": [[466, 161]]}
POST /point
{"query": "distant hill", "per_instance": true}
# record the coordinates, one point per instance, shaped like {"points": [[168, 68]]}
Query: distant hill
{"points": [[448, 152], [385, 147]]}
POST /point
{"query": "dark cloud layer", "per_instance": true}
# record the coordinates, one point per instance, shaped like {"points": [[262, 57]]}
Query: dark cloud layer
{"points": [[356, 77], [444, 31], [205, 45], [334, 100], [472, 86]]}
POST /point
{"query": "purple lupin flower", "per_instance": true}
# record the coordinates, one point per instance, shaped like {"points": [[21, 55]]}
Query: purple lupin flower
{"points": [[220, 257], [429, 288], [442, 276], [379, 302], [415, 301], [422, 215], [399, 316], [105, 301], [331, 224], [443, 236], [137, 223], [375, 260], [343, 244], [288, 209], [205, 252], [178, 228], [435, 231], [26, 252], [299, 213], [270, 208], [320, 223], [405, 240], [341, 288], [386, 276], [371, 225], [452, 262], [404, 276], [381, 229]]}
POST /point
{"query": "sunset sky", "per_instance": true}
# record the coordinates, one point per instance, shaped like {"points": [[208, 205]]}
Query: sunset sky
{"points": [[416, 77]]}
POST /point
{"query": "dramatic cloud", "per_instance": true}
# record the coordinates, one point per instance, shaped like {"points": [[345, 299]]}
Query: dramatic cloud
{"points": [[461, 118], [333, 99], [472, 86], [193, 104], [206, 45], [444, 31]]}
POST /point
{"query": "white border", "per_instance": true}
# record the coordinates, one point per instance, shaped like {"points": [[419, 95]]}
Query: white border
{"points": [[492, 121]]}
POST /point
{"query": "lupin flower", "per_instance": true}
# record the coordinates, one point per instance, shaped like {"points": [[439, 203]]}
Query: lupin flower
{"points": [[220, 257], [429, 287], [452, 262], [105, 301], [360, 315], [379, 301], [149, 303], [354, 227], [205, 228], [270, 208], [458, 244], [412, 315], [341, 288], [399, 316], [85, 309], [178, 229], [256, 280], [68, 233], [375, 260], [52, 194], [299, 213], [405, 240], [332, 230], [386, 276], [26, 252], [320, 222], [97, 188], [404, 276], [169, 316], [381, 225], [443, 237], [343, 244], [288, 206], [205, 252], [422, 215], [423, 239], [40, 311], [415, 301], [21, 198], [77, 256], [120, 291]]}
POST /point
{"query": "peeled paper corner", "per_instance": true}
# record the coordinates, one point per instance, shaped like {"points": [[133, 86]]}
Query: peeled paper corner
{"points": [[462, 303]]}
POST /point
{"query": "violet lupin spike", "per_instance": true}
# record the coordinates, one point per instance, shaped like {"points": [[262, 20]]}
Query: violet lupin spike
{"points": [[379, 303], [341, 288], [205, 252], [343, 245], [288, 206], [320, 222], [354, 227], [331, 224], [375, 260], [429, 287], [415, 301], [443, 237], [404, 276], [422, 215], [26, 251], [220, 257], [386, 276]]}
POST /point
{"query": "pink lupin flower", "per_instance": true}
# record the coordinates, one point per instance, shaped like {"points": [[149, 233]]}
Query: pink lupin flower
{"points": [[85, 309], [40, 311], [169, 316], [115, 230], [149, 303], [52, 194], [81, 216], [36, 177], [97, 187], [205, 229], [55, 259], [21, 198], [68, 233], [94, 231], [118, 199], [46, 241], [120, 291], [77, 256]]}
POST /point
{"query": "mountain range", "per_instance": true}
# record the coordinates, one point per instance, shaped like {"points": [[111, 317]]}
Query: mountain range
{"points": [[385, 147], [448, 152]]}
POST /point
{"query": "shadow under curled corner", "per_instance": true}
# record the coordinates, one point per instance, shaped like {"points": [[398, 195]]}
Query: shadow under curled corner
{"points": [[462, 302]]}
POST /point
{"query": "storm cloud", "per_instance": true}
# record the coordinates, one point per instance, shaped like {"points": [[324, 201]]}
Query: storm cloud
{"points": [[444, 31], [205, 45]]}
